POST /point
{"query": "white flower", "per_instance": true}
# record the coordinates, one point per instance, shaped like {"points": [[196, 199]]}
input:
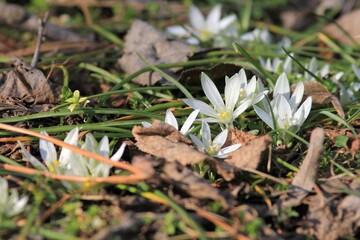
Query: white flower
{"points": [[10, 202], [257, 35], [223, 113], [171, 120], [248, 90], [276, 65], [213, 148], [351, 93], [203, 29], [71, 163], [313, 67], [285, 109]]}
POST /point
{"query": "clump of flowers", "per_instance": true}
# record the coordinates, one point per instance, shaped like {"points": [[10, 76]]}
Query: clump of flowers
{"points": [[201, 28], [276, 65], [71, 163], [213, 147], [171, 120], [11, 203], [221, 112], [283, 111]]}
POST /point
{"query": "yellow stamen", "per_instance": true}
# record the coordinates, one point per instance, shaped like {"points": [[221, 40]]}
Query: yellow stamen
{"points": [[224, 115]]}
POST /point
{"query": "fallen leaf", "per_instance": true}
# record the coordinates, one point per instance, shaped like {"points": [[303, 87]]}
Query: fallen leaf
{"points": [[153, 46], [26, 83], [347, 22], [305, 178], [164, 141], [194, 185], [320, 95], [251, 152]]}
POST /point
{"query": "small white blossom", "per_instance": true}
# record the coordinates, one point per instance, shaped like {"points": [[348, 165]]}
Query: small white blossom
{"points": [[10, 202], [71, 163], [351, 93], [284, 108], [248, 90], [312, 66], [276, 65], [203, 29], [256, 35], [213, 147], [171, 120], [220, 112]]}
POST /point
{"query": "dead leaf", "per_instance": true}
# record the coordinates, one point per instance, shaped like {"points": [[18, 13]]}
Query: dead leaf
{"points": [[320, 95], [153, 46], [164, 141], [26, 83], [144, 164], [305, 178], [224, 169], [347, 22], [250, 153], [192, 184]]}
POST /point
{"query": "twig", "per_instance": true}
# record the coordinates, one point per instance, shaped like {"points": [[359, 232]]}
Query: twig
{"points": [[41, 34]]}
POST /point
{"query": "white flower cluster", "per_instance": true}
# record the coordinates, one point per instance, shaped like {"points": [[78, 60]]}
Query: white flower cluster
{"points": [[11, 203], [74, 164]]}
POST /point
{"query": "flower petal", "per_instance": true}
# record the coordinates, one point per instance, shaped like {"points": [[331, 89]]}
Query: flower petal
{"points": [[201, 106], [224, 151], [189, 121], [47, 150], [197, 142], [220, 139], [303, 112], [241, 108], [297, 96], [282, 86], [196, 18], [117, 156], [177, 30], [232, 92], [227, 21], [211, 92], [213, 17], [267, 118], [205, 133], [33, 160], [170, 119]]}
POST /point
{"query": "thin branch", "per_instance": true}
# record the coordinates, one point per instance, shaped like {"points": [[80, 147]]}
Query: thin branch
{"points": [[41, 34]]}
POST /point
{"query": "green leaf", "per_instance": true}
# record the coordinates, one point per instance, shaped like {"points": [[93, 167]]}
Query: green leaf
{"points": [[341, 141]]}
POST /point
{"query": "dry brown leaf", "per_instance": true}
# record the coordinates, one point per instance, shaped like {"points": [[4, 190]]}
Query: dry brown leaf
{"points": [[347, 22], [192, 184], [320, 95], [164, 141], [153, 46], [305, 178], [227, 171], [250, 153], [26, 83]]}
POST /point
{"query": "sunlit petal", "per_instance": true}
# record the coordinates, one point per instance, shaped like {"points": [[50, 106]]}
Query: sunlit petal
{"points": [[227, 21], [211, 92], [297, 96], [220, 139], [170, 119], [201, 106], [282, 86], [196, 18], [267, 118], [189, 121]]}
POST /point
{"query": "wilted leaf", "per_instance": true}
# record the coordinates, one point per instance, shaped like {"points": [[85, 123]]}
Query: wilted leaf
{"points": [[347, 22], [26, 83], [153, 46], [250, 153], [192, 184], [164, 141]]}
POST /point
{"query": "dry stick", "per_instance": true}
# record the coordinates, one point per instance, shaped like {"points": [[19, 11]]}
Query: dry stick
{"points": [[85, 153], [41, 33]]}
